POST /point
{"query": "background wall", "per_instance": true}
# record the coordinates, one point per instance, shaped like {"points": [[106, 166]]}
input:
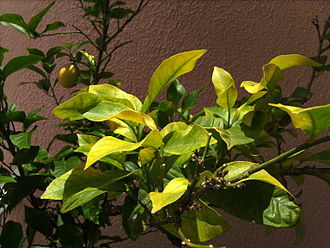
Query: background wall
{"points": [[240, 37]]}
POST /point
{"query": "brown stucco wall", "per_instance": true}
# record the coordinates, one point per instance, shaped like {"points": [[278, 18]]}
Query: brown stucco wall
{"points": [[241, 36]]}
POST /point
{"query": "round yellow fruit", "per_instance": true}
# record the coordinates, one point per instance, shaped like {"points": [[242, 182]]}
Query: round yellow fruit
{"points": [[68, 75]]}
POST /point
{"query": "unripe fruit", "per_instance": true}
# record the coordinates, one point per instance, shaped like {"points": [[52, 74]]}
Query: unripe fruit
{"points": [[68, 75]]}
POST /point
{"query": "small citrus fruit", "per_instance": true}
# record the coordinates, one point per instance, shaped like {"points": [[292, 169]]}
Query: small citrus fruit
{"points": [[68, 75]]}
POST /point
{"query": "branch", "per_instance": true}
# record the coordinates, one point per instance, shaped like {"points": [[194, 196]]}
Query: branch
{"points": [[142, 4], [279, 158], [322, 173]]}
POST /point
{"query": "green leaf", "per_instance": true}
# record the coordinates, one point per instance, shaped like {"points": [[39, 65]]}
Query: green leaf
{"points": [[22, 140], [250, 202], [202, 224], [190, 100], [175, 92], [116, 93], [35, 20], [311, 120], [120, 13], [233, 136], [11, 235], [271, 75], [2, 51], [75, 107], [39, 220], [70, 236], [172, 192], [78, 179], [64, 166], [173, 126], [134, 215], [53, 26], [290, 60], [321, 157], [104, 111], [24, 187], [19, 63], [301, 92], [224, 88], [6, 179], [122, 128], [109, 145], [281, 212], [80, 198], [168, 71], [16, 22], [184, 141]]}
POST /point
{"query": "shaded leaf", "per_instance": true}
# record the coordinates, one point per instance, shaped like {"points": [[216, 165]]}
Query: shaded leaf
{"points": [[202, 224], [16, 22], [281, 212], [80, 198], [11, 235], [53, 26], [19, 63], [35, 20]]}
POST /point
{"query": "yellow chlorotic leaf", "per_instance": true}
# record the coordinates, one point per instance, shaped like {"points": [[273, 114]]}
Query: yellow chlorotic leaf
{"points": [[239, 167], [172, 192], [122, 128], [264, 176], [136, 116], [173, 126], [109, 145], [290, 60], [271, 75], [114, 92], [311, 120], [168, 71], [224, 87]]}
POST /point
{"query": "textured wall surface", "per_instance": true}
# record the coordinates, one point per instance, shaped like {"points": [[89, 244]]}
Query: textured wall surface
{"points": [[240, 35]]}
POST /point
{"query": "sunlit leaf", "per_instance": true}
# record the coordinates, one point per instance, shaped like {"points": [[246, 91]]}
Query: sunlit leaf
{"points": [[172, 192], [109, 145], [79, 179], [114, 92], [234, 136], [239, 167], [224, 88], [190, 139], [168, 71], [103, 111], [311, 120], [290, 60], [271, 75]]}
